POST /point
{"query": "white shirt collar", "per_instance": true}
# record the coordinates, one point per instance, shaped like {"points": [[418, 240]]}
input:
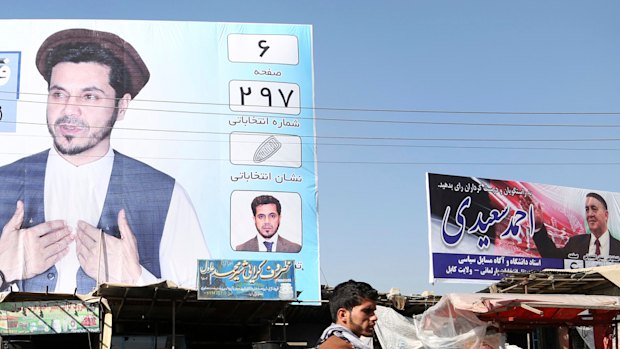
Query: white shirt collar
{"points": [[261, 242], [56, 160], [603, 240]]}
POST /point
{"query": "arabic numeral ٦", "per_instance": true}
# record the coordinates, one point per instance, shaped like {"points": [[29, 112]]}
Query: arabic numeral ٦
{"points": [[262, 44]]}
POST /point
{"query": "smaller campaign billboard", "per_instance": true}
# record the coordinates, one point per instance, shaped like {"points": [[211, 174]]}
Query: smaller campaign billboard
{"points": [[483, 229], [246, 279], [9, 89], [49, 317]]}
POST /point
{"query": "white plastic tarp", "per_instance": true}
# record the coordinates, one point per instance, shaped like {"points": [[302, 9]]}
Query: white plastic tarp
{"points": [[454, 321]]}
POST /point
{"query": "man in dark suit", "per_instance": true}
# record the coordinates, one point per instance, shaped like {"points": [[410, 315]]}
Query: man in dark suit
{"points": [[266, 210], [598, 243]]}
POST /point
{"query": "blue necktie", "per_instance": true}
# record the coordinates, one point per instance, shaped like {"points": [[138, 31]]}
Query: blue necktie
{"points": [[269, 245]]}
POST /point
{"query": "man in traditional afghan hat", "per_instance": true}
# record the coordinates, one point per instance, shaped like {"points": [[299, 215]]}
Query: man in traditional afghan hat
{"points": [[81, 213]]}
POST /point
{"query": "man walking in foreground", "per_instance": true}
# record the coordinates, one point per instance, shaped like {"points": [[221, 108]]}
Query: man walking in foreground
{"points": [[352, 307]]}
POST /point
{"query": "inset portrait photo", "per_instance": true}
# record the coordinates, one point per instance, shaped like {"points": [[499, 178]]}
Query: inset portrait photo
{"points": [[265, 221]]}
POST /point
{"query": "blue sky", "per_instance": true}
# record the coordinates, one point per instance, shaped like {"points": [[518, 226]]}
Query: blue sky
{"points": [[453, 87]]}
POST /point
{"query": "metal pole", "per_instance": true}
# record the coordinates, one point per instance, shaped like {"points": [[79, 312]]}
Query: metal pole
{"points": [[174, 316], [529, 333], [284, 324]]}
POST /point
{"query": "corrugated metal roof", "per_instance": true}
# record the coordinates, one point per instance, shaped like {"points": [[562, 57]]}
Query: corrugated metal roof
{"points": [[599, 280]]}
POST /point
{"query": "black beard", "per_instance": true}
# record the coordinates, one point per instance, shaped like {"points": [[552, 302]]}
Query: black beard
{"points": [[102, 134]]}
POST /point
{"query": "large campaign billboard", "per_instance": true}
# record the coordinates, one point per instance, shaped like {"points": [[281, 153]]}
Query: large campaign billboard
{"points": [[133, 149], [482, 229]]}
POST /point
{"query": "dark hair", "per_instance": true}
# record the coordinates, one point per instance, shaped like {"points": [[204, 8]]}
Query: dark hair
{"points": [[597, 197], [350, 294], [265, 200], [90, 52]]}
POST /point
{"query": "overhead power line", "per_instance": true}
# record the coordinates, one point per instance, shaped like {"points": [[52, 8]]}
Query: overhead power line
{"points": [[408, 163], [385, 141], [363, 138], [370, 110], [385, 121]]}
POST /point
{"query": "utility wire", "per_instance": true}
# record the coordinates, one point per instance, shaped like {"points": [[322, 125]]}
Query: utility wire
{"points": [[318, 143], [503, 139], [407, 163], [386, 121], [321, 144], [370, 110]]}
